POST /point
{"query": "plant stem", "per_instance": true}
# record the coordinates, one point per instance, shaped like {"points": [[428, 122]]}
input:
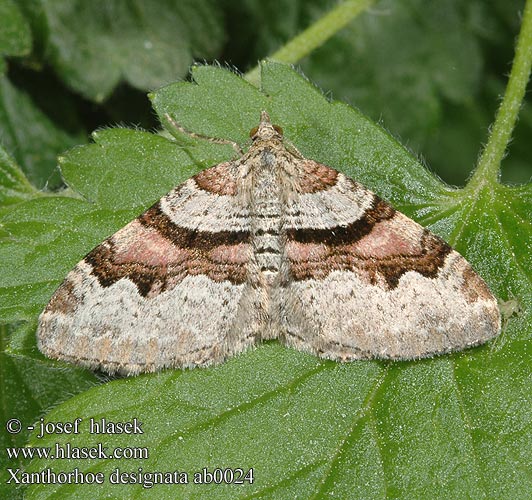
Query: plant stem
{"points": [[315, 35], [490, 161]]}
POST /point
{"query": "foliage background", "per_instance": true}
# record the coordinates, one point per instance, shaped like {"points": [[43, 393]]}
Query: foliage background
{"points": [[430, 73]]}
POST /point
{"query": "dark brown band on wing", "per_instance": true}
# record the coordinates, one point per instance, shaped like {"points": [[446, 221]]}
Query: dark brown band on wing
{"points": [[427, 262], [201, 256], [190, 238], [344, 235]]}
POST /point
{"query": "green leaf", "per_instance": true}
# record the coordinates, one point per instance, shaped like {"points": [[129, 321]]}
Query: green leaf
{"points": [[427, 72], [15, 35], [31, 136], [436, 428], [95, 45], [438, 44], [14, 186]]}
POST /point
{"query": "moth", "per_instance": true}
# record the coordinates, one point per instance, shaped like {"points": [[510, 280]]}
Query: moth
{"points": [[269, 246]]}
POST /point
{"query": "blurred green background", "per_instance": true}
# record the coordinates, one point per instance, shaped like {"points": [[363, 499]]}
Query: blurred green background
{"points": [[432, 73]]}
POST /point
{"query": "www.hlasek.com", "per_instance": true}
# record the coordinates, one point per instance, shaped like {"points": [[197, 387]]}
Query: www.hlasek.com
{"points": [[118, 476], [68, 452]]}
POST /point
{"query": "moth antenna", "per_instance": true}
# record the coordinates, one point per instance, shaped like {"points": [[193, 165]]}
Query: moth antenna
{"points": [[214, 140]]}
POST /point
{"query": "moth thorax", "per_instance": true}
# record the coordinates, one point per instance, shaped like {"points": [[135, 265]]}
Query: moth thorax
{"points": [[266, 214]]}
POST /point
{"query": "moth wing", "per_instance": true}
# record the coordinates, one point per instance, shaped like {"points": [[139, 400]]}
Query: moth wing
{"points": [[167, 290], [362, 280]]}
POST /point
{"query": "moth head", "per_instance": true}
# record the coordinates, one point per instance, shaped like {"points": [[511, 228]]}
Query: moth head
{"points": [[265, 130]]}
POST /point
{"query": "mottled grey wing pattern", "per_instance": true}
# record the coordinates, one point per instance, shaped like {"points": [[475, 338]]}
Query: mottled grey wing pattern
{"points": [[164, 291], [372, 283]]}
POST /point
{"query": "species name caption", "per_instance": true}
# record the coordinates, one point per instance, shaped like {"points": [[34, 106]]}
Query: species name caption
{"points": [[118, 476]]}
